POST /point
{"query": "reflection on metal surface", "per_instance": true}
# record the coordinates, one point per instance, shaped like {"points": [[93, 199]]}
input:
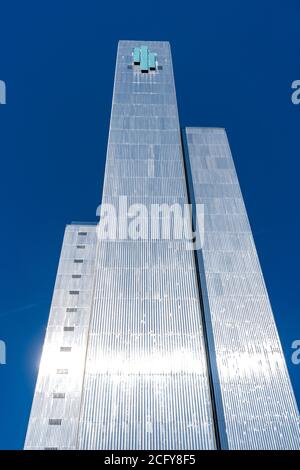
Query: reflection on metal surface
{"points": [[146, 320], [258, 401], [127, 362]]}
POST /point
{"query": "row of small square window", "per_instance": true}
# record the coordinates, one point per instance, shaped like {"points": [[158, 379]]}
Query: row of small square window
{"points": [[72, 309], [52, 421], [80, 247], [74, 292], [57, 422]]}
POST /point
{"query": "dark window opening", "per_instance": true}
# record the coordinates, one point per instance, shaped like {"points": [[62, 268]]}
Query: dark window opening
{"points": [[65, 349], [59, 395], [62, 371], [55, 422]]}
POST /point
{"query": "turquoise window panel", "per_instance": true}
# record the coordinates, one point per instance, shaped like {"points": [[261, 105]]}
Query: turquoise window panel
{"points": [[136, 55], [144, 59], [152, 61]]}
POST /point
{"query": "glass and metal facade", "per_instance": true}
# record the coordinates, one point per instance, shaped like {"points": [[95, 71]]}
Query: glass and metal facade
{"points": [[150, 345], [259, 406]]}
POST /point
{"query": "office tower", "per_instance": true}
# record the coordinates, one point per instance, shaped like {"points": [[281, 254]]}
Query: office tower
{"points": [[152, 345]]}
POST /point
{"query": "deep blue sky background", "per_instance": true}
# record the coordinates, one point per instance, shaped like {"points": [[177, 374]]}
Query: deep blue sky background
{"points": [[234, 63]]}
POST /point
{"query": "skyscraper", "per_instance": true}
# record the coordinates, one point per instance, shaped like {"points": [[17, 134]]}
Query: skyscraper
{"points": [[151, 345]]}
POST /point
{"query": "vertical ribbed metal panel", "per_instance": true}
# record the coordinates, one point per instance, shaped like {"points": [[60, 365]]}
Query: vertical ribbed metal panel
{"points": [[59, 384], [258, 401], [146, 381]]}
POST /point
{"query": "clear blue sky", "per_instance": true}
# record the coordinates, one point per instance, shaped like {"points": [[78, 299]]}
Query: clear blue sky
{"points": [[234, 63]]}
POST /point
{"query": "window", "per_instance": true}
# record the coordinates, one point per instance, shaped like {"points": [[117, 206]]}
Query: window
{"points": [[65, 348], [50, 448], [62, 371], [159, 67], [68, 328], [78, 260], [82, 233], [54, 422], [74, 292], [80, 246], [71, 309], [59, 395], [76, 276]]}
